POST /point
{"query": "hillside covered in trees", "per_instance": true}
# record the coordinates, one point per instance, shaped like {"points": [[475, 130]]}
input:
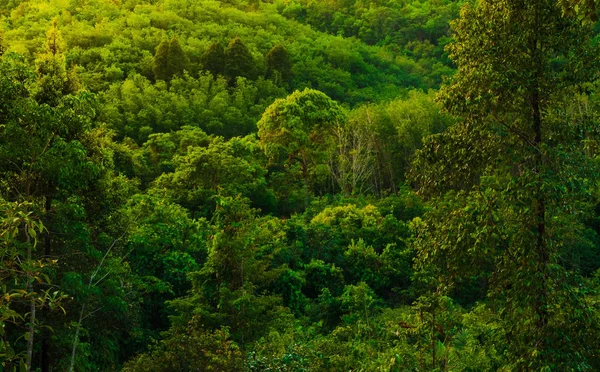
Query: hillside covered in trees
{"points": [[299, 185]]}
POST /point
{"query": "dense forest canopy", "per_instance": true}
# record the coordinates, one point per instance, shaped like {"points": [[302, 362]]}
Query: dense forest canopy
{"points": [[299, 185]]}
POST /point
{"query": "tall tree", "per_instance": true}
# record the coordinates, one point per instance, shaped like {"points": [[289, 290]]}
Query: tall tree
{"points": [[508, 185], [2, 43], [54, 79], [34, 147], [213, 59], [177, 58], [161, 61], [231, 289], [169, 60], [57, 183], [239, 62], [279, 64], [297, 134]]}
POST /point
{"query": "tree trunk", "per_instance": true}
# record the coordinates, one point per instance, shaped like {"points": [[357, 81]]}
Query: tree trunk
{"points": [[47, 253], [47, 207], [541, 249], [31, 327], [76, 339]]}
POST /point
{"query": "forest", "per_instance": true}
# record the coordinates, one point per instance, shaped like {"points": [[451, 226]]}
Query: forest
{"points": [[299, 185]]}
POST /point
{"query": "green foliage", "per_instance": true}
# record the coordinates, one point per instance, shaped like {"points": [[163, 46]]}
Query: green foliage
{"points": [[110, 41], [57, 171], [227, 290], [177, 59], [170, 204], [161, 61], [239, 62], [320, 275], [375, 134], [2, 43], [137, 108], [220, 168], [54, 80], [298, 131], [169, 60], [418, 29], [164, 246], [213, 59], [279, 64], [19, 270], [188, 349], [509, 184]]}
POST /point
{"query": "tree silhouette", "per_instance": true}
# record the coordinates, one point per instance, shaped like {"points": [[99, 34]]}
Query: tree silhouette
{"points": [[169, 60], [238, 61], [279, 64], [213, 60]]}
